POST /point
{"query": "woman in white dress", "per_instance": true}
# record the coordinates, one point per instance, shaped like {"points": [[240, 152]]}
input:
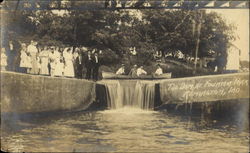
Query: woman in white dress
{"points": [[33, 51], [23, 58], [28, 63], [59, 69], [25, 62], [69, 68], [3, 59], [44, 59]]}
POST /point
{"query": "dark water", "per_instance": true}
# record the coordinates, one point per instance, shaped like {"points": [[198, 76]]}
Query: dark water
{"points": [[121, 130]]}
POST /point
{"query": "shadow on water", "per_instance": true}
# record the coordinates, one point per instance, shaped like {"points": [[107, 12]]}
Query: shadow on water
{"points": [[232, 115], [228, 114], [171, 127], [14, 122]]}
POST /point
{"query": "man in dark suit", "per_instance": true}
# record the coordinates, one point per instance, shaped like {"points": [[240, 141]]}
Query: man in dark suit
{"points": [[96, 65], [88, 64], [78, 64]]}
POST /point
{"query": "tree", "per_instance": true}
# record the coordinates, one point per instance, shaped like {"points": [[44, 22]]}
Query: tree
{"points": [[173, 30], [114, 31]]}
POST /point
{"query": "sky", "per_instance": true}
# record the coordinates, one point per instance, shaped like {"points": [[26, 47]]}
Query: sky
{"points": [[240, 18]]}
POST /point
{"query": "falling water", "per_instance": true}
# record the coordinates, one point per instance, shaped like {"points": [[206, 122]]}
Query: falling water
{"points": [[135, 94], [144, 94], [113, 90]]}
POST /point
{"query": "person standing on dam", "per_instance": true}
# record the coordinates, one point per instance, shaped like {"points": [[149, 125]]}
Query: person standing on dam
{"points": [[3, 59], [44, 57], [25, 63], [53, 56], [33, 51], [96, 65], [68, 67], [59, 69], [88, 62], [78, 63]]}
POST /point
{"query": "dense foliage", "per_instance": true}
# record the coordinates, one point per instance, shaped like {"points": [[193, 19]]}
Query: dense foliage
{"points": [[115, 31]]}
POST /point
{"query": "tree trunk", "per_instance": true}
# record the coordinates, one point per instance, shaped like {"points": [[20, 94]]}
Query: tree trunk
{"points": [[197, 42]]}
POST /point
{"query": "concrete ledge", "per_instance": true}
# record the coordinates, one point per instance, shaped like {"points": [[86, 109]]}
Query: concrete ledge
{"points": [[24, 93], [205, 88]]}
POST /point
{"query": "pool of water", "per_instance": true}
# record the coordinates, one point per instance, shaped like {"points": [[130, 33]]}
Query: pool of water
{"points": [[122, 130]]}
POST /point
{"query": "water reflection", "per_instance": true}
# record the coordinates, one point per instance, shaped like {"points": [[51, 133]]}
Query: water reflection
{"points": [[122, 130]]}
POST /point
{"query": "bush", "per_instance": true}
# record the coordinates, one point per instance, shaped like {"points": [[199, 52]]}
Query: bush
{"points": [[109, 57]]}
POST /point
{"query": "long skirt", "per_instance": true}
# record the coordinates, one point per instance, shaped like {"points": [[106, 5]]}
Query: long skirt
{"points": [[59, 69], [34, 68], [44, 66], [4, 61], [52, 68], [69, 69]]}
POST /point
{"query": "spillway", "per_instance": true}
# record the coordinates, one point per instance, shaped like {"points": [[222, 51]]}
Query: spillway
{"points": [[130, 93]]}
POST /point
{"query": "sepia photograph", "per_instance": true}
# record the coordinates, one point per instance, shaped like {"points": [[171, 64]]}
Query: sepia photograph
{"points": [[124, 76]]}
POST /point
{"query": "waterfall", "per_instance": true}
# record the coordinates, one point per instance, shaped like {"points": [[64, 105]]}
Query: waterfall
{"points": [[148, 94], [113, 90], [131, 93]]}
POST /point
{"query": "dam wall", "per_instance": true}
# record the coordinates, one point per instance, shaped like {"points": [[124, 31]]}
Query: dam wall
{"points": [[24, 93], [205, 88]]}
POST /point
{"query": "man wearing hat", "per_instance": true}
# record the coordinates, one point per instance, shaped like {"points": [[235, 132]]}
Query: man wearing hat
{"points": [[88, 62], [78, 63], [121, 70]]}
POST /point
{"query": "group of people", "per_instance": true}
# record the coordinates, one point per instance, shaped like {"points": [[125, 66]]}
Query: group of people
{"points": [[90, 62], [47, 60], [58, 62], [138, 71]]}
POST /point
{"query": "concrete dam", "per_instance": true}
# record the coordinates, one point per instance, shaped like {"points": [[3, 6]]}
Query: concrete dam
{"points": [[24, 93]]}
